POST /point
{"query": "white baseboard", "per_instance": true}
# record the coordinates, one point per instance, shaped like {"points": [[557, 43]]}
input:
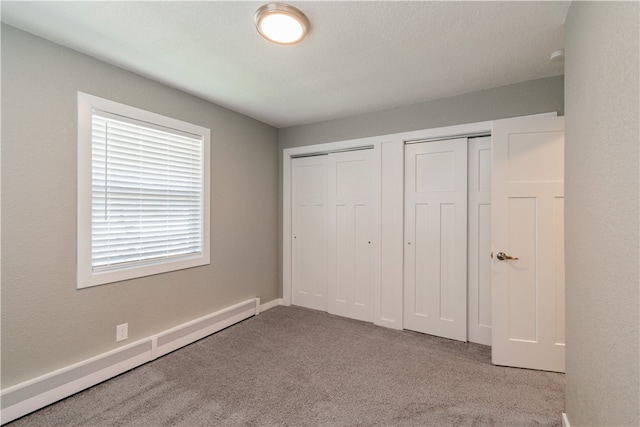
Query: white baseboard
{"points": [[26, 397], [269, 305], [565, 420]]}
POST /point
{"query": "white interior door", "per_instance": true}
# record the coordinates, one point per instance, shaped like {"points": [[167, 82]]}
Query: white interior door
{"points": [[435, 282], [309, 232], [528, 224], [352, 240], [479, 241]]}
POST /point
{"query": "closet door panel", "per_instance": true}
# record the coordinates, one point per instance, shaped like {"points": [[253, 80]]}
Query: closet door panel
{"points": [[309, 232], [351, 234], [364, 263], [435, 284], [528, 226], [479, 322]]}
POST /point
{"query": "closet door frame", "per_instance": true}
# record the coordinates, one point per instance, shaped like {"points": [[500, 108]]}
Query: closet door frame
{"points": [[389, 149]]}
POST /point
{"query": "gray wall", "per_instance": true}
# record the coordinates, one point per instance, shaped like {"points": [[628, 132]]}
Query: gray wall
{"points": [[601, 216], [46, 322], [520, 99]]}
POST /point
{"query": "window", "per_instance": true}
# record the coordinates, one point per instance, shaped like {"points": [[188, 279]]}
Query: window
{"points": [[143, 193]]}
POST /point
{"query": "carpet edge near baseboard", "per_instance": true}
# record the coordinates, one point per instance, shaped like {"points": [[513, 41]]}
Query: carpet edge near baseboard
{"points": [[28, 396]]}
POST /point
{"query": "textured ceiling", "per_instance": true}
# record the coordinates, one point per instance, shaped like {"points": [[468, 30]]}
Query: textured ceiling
{"points": [[358, 57]]}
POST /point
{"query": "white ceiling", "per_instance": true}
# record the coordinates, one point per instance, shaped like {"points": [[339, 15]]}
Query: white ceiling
{"points": [[359, 56]]}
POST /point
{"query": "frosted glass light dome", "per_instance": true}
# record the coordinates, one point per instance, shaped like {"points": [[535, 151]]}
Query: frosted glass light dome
{"points": [[281, 23]]}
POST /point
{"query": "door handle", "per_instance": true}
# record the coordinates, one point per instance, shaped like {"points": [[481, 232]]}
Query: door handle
{"points": [[504, 257]]}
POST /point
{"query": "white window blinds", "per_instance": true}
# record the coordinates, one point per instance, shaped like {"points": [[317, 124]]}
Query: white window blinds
{"points": [[147, 193]]}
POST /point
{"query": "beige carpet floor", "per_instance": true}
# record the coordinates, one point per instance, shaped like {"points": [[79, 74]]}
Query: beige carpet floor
{"points": [[291, 366]]}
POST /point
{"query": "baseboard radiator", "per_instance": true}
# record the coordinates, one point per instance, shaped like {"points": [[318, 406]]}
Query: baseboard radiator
{"points": [[26, 397]]}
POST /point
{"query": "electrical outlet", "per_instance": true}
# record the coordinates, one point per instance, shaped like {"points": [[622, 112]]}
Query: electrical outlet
{"points": [[122, 332]]}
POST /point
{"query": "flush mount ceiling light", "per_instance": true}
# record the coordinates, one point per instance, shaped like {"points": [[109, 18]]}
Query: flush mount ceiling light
{"points": [[281, 23]]}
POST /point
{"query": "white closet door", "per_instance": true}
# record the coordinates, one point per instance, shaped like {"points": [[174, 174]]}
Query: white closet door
{"points": [[435, 287], [309, 232], [352, 240], [479, 265], [528, 243]]}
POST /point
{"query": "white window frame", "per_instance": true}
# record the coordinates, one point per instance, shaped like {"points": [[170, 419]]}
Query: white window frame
{"points": [[86, 277]]}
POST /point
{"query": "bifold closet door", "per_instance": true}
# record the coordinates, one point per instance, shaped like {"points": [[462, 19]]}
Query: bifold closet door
{"points": [[309, 232], [479, 252], [352, 239], [435, 280]]}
